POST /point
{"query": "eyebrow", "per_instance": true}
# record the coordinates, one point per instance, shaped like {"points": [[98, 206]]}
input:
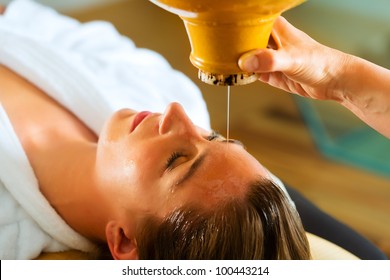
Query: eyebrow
{"points": [[224, 140], [233, 141]]}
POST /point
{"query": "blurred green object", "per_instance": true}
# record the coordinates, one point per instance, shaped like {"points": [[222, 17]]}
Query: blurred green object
{"points": [[343, 137]]}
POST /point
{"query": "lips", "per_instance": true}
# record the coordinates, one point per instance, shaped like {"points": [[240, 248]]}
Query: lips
{"points": [[138, 119]]}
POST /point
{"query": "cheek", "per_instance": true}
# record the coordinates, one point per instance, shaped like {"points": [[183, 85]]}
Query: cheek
{"points": [[134, 163], [114, 163]]}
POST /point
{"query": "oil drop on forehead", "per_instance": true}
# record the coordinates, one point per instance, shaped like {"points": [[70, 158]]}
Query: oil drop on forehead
{"points": [[228, 115]]}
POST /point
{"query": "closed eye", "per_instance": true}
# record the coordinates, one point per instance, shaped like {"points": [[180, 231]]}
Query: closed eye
{"points": [[214, 136], [169, 165], [172, 159]]}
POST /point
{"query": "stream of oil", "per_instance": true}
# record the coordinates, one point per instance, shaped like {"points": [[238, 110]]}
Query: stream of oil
{"points": [[228, 115]]}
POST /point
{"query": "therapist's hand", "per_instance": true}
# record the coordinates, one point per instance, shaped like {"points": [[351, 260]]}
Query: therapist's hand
{"points": [[296, 63], [2, 9]]}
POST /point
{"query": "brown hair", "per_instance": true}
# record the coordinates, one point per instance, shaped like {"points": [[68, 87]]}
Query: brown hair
{"points": [[262, 225]]}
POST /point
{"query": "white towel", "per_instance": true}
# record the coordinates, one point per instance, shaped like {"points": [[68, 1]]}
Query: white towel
{"points": [[28, 224]]}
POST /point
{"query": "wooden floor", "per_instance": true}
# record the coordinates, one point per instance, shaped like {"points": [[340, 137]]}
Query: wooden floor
{"points": [[268, 122]]}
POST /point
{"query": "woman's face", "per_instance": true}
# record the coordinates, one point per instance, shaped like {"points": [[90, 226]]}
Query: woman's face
{"points": [[150, 163]]}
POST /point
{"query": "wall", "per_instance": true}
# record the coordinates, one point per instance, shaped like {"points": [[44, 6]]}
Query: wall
{"points": [[360, 27]]}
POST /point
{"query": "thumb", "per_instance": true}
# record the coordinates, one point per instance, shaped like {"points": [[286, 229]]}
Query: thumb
{"points": [[263, 61]]}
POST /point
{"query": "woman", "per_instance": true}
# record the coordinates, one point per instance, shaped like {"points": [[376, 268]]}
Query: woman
{"points": [[80, 172], [126, 177], [142, 165]]}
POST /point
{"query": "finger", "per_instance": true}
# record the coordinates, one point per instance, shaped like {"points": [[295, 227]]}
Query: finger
{"points": [[256, 61], [264, 61], [274, 41], [283, 30], [276, 32]]}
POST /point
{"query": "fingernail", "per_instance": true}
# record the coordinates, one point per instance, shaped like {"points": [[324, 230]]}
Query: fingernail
{"points": [[249, 63]]}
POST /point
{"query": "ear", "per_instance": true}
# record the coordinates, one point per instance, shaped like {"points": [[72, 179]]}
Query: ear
{"points": [[122, 245]]}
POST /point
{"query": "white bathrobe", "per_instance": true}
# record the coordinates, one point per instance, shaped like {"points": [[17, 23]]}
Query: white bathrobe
{"points": [[92, 71]]}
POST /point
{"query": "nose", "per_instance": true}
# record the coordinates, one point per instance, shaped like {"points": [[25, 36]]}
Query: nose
{"points": [[176, 120]]}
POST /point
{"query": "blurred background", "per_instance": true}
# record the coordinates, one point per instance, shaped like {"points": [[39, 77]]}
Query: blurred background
{"points": [[319, 148]]}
